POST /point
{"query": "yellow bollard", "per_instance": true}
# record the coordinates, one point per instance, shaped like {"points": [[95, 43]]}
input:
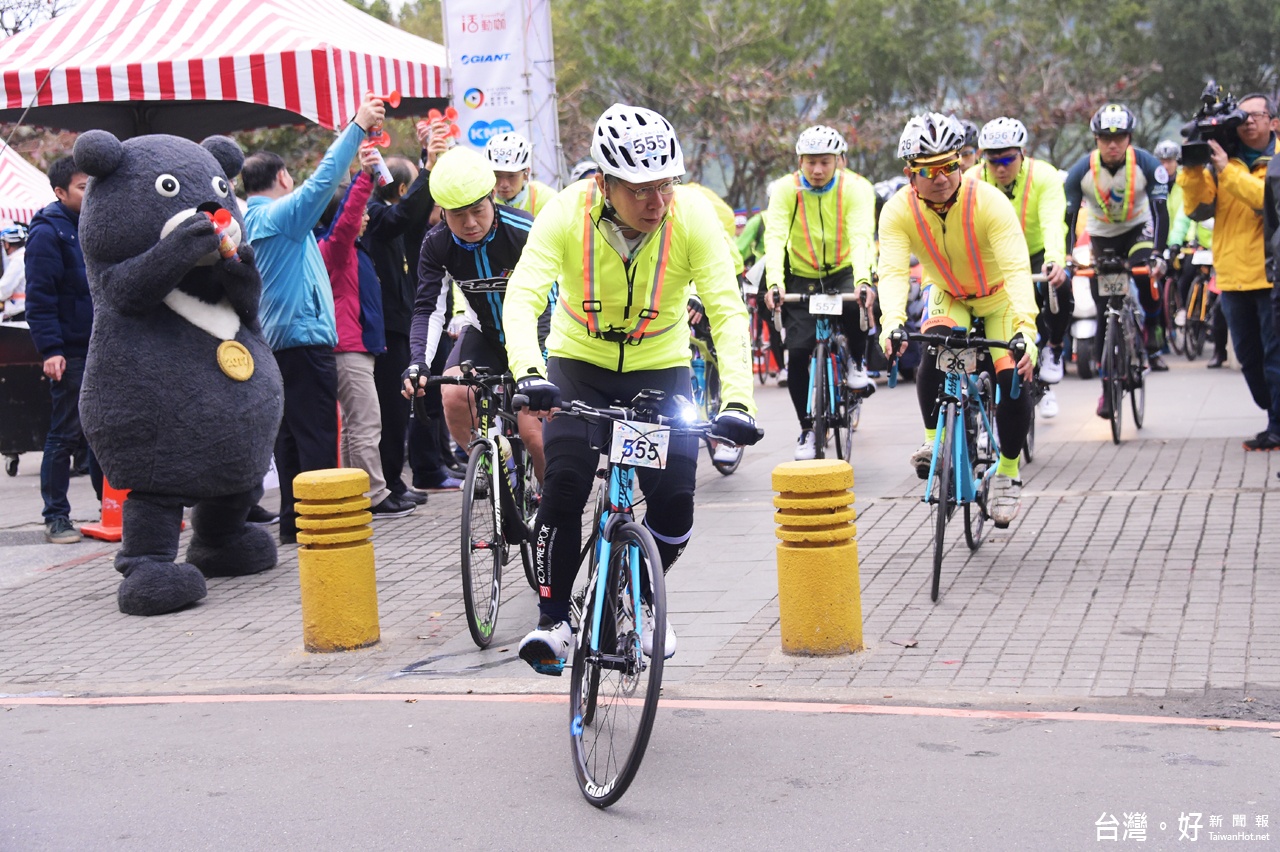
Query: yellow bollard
{"points": [[335, 560], [819, 595]]}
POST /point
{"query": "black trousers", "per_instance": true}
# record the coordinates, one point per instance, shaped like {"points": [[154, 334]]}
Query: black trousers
{"points": [[308, 437]]}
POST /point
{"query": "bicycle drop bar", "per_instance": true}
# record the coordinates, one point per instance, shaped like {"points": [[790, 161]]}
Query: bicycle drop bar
{"points": [[804, 297], [1053, 291], [1016, 348]]}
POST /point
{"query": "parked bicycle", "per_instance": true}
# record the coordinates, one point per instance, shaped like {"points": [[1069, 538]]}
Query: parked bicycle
{"points": [[835, 408], [1201, 305], [965, 446], [499, 498]]}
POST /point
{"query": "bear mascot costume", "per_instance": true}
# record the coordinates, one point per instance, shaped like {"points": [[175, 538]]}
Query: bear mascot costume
{"points": [[182, 397]]}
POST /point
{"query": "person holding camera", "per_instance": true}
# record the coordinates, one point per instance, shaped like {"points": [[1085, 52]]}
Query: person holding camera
{"points": [[1125, 191], [1231, 188]]}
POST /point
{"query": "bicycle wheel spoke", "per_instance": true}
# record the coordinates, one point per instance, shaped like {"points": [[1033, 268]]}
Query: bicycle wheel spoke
{"points": [[482, 548]]}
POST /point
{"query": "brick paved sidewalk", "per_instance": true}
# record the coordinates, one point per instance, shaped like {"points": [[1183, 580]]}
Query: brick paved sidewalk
{"points": [[1143, 571]]}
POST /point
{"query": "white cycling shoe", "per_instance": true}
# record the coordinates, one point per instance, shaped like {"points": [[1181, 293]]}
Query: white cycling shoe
{"points": [[1049, 405], [806, 446], [1051, 366], [1005, 499], [726, 454], [646, 637], [856, 378], [922, 459], [546, 647]]}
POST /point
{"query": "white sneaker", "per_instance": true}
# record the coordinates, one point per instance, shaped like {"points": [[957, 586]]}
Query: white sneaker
{"points": [[546, 647], [856, 378], [726, 454], [1004, 500], [1051, 366], [922, 459], [1049, 405], [806, 447], [1180, 318], [782, 377], [646, 637]]}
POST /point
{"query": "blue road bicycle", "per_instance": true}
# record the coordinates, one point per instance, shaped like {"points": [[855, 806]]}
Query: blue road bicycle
{"points": [[614, 687], [965, 446], [835, 408]]}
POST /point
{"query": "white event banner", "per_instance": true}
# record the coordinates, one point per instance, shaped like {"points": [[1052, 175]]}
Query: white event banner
{"points": [[502, 76]]}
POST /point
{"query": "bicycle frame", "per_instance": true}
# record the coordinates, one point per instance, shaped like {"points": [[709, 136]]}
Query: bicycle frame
{"points": [[833, 372], [961, 390], [617, 510]]}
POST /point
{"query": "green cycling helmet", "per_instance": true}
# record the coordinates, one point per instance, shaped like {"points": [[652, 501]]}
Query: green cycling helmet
{"points": [[461, 178]]}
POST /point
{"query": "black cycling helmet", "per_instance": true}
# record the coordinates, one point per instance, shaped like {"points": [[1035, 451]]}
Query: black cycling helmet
{"points": [[1113, 120], [970, 134]]}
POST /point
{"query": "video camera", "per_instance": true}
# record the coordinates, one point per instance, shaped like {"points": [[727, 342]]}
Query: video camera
{"points": [[1217, 119]]}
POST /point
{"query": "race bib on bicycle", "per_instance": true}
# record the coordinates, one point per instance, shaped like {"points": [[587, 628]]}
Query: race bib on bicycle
{"points": [[957, 360], [1113, 283], [826, 304], [639, 444]]}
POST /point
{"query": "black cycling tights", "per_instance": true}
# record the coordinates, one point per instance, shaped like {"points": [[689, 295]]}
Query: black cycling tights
{"points": [[1013, 416], [571, 464]]}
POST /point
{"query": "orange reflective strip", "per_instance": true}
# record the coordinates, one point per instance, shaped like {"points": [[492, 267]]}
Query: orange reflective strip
{"points": [[839, 215], [971, 238], [931, 246], [1130, 184], [804, 221], [1026, 194], [659, 278], [589, 263]]}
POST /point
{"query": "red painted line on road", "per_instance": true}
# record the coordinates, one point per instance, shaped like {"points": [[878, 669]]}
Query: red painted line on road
{"points": [[79, 560], [670, 703]]}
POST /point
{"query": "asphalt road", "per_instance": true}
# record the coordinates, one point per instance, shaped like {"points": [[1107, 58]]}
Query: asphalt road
{"points": [[494, 773]]}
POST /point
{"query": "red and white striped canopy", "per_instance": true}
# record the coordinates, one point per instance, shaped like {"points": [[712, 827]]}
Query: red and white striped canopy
{"points": [[24, 189], [175, 66]]}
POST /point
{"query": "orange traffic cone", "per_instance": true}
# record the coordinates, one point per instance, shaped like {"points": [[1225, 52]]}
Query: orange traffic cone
{"points": [[111, 527]]}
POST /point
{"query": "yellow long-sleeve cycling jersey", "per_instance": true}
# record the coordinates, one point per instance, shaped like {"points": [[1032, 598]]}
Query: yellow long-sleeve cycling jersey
{"points": [[627, 314], [977, 250], [1040, 202], [816, 233]]}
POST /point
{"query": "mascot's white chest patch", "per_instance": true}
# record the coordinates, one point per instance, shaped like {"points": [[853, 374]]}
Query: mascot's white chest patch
{"points": [[220, 320]]}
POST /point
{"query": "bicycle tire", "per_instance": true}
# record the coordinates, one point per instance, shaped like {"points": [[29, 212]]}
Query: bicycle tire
{"points": [[946, 500], [527, 498], [849, 408], [818, 399], [1174, 336], [1138, 388], [1029, 445], [1114, 367], [609, 743], [481, 577]]}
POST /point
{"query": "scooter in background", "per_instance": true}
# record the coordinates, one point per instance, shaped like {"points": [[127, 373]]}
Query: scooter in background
{"points": [[1084, 328]]}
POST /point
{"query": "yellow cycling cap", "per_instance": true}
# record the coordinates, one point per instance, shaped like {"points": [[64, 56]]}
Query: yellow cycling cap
{"points": [[461, 178]]}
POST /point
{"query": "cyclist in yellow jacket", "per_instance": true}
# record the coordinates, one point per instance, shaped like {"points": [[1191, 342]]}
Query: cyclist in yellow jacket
{"points": [[819, 238], [1035, 189], [512, 156], [623, 246], [975, 258]]}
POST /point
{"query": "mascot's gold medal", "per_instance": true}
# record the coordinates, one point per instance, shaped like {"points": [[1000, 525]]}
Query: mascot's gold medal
{"points": [[235, 360]]}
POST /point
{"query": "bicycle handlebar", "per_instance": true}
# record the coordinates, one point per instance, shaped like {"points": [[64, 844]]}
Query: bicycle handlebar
{"points": [[579, 409], [1016, 348]]}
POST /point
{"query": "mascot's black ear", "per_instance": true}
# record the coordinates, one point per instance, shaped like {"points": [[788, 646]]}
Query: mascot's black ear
{"points": [[98, 153], [227, 153]]}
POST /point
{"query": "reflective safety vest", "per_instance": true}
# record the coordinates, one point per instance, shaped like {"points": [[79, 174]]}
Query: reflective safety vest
{"points": [[973, 270]]}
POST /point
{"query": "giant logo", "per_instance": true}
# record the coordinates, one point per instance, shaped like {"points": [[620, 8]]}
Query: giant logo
{"points": [[484, 58], [482, 131], [473, 98]]}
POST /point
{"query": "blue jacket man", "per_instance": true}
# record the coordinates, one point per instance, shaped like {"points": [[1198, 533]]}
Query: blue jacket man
{"points": [[60, 315], [297, 303]]}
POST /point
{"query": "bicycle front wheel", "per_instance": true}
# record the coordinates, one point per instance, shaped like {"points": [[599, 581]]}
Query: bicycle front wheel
{"points": [[614, 690], [482, 546], [1115, 366], [818, 399], [946, 497], [1174, 334]]}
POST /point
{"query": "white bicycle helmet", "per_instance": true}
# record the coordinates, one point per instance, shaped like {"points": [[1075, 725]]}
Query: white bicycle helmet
{"points": [[636, 145], [1113, 120], [821, 139], [1002, 133], [509, 152], [929, 135], [1167, 149], [583, 169]]}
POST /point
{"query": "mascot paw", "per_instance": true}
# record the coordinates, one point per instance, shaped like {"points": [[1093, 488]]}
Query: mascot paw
{"points": [[250, 552], [154, 588]]}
